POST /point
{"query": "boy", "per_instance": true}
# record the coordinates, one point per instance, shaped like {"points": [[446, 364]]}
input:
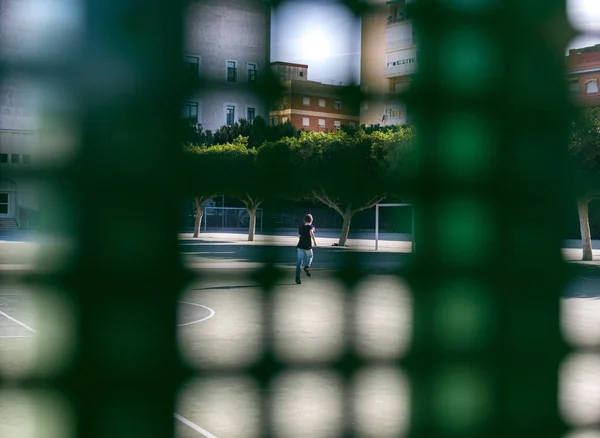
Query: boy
{"points": [[306, 236]]}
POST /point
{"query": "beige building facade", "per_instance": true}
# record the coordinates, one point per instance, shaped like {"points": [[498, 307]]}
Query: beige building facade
{"points": [[310, 105], [389, 59]]}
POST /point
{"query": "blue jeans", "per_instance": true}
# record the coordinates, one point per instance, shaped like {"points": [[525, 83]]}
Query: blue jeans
{"points": [[305, 257]]}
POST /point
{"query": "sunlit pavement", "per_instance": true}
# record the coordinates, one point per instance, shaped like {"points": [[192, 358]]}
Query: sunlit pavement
{"points": [[223, 330]]}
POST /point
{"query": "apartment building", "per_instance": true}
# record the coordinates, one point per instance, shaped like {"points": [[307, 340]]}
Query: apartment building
{"points": [[309, 105], [389, 59], [228, 46], [583, 74], [18, 122]]}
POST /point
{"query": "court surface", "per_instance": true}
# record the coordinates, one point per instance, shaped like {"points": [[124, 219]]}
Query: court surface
{"points": [[221, 327]]}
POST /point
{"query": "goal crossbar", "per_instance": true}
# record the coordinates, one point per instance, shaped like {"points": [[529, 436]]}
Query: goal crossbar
{"points": [[377, 219]]}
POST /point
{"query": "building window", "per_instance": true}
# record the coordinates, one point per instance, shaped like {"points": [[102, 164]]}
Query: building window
{"points": [[305, 121], [3, 158], [284, 119], [250, 114], [26, 159], [306, 101], [322, 103], [321, 123], [591, 86], [301, 74], [273, 121], [229, 114], [231, 71], [252, 71], [189, 111], [574, 86], [337, 124], [337, 104], [192, 66], [3, 203], [14, 158]]}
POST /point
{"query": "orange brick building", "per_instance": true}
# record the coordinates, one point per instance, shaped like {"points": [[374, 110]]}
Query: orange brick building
{"points": [[583, 75], [309, 105]]}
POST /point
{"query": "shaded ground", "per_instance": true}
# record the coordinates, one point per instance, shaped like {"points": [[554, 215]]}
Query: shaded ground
{"points": [[308, 328]]}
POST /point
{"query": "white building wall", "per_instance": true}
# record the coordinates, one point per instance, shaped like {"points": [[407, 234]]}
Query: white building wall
{"points": [[389, 55], [235, 30], [19, 104]]}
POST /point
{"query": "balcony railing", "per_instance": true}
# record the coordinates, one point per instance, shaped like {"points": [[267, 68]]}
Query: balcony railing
{"points": [[399, 43], [396, 19], [404, 69]]}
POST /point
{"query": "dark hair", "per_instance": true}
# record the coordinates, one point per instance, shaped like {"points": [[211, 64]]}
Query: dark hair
{"points": [[308, 218]]}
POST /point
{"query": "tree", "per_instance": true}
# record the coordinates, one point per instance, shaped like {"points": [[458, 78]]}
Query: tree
{"points": [[199, 203], [353, 172], [257, 132], [195, 184], [230, 169], [347, 171], [584, 147]]}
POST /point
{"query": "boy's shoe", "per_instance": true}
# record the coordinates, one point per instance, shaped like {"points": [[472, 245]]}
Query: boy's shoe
{"points": [[307, 271], [298, 281]]}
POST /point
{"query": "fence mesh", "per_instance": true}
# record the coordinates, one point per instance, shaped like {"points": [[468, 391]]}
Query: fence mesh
{"points": [[484, 282]]}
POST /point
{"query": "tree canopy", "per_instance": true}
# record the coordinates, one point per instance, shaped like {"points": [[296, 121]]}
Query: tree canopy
{"points": [[584, 148], [349, 171]]}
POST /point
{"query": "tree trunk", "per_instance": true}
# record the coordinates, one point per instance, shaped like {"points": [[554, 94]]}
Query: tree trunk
{"points": [[584, 226], [345, 227], [198, 204], [197, 223], [252, 224], [251, 207]]}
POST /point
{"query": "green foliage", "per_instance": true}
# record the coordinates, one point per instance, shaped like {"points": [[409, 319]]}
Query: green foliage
{"points": [[225, 168], [258, 132], [584, 149], [585, 138], [350, 169]]}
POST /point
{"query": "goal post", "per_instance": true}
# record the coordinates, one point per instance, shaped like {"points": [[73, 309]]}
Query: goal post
{"points": [[377, 220]]}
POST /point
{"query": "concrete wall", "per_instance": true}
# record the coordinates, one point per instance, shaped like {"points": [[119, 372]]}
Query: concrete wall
{"points": [[218, 31]]}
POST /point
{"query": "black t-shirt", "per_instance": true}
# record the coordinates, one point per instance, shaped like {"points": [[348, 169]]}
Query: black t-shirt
{"points": [[305, 241]]}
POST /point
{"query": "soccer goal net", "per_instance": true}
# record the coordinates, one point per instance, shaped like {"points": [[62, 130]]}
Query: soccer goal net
{"points": [[230, 218], [377, 220]]}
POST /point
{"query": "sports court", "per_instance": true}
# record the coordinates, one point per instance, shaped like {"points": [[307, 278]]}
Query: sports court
{"points": [[224, 327]]}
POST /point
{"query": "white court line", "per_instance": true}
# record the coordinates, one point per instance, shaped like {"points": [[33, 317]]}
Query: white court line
{"points": [[185, 421], [588, 278], [194, 426], [18, 322], [212, 313]]}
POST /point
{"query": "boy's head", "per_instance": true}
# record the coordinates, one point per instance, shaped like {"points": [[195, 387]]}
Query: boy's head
{"points": [[308, 219]]}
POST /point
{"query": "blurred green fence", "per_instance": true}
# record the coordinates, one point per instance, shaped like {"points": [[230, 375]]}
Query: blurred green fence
{"points": [[491, 110]]}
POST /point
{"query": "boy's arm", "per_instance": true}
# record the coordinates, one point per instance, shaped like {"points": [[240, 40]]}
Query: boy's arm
{"points": [[312, 235]]}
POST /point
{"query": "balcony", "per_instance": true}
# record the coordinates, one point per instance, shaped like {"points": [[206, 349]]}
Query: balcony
{"points": [[399, 44], [401, 120], [400, 70], [396, 19]]}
